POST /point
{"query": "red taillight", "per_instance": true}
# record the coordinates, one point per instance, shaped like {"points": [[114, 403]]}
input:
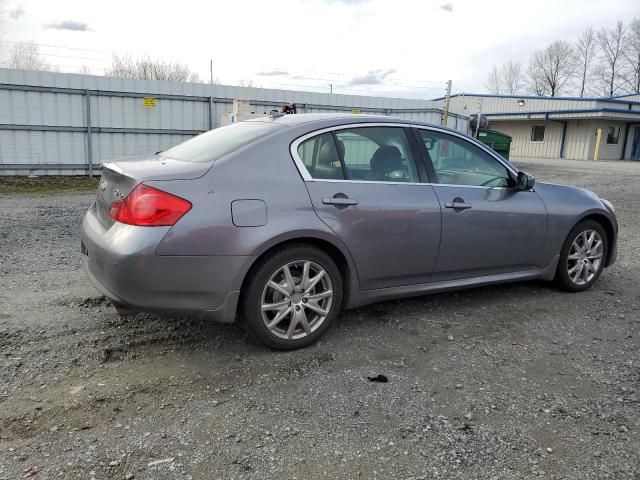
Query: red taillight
{"points": [[146, 206]]}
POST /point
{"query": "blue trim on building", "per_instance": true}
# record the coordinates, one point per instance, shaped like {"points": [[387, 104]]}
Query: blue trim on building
{"points": [[536, 97], [547, 113]]}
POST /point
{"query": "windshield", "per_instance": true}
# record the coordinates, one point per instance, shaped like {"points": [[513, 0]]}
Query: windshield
{"points": [[217, 142]]}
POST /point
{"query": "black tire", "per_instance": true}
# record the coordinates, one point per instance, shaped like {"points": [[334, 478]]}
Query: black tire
{"points": [[259, 276], [562, 278]]}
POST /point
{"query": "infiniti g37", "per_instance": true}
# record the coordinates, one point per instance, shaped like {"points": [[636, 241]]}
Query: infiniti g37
{"points": [[282, 222]]}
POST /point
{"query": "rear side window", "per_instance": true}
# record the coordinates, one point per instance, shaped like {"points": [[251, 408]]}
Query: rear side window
{"points": [[379, 154], [320, 157], [218, 142]]}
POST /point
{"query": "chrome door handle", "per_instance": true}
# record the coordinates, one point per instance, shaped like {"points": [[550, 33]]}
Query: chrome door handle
{"points": [[339, 201], [457, 205]]}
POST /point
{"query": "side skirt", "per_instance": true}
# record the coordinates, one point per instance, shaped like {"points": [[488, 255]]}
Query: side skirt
{"points": [[382, 294]]}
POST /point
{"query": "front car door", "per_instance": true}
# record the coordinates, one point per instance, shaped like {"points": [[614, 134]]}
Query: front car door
{"points": [[488, 228], [365, 184]]}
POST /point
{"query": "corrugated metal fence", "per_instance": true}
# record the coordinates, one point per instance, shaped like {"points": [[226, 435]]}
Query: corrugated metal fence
{"points": [[59, 123]]}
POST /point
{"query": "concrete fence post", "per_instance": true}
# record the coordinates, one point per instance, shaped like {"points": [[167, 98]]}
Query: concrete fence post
{"points": [[87, 97]]}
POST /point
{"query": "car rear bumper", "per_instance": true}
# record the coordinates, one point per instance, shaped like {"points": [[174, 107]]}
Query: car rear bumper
{"points": [[122, 264]]}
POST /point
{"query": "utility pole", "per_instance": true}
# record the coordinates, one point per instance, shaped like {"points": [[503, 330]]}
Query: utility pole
{"points": [[211, 71], [445, 114], [331, 88], [475, 134]]}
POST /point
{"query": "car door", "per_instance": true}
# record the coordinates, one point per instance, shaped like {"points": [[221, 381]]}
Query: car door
{"points": [[364, 184], [487, 226]]}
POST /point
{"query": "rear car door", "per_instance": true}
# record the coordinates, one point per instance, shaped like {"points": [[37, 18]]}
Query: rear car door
{"points": [[487, 226], [364, 183]]}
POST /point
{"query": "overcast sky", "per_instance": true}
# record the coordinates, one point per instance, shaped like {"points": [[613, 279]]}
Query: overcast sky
{"points": [[391, 47]]}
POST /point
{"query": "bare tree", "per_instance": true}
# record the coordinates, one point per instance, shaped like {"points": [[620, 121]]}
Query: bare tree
{"points": [[146, 68], [494, 83], [585, 50], [536, 82], [26, 56], [551, 69], [512, 77], [611, 42], [632, 55]]}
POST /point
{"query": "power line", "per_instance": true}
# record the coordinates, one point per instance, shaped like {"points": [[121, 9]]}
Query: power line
{"points": [[56, 46]]}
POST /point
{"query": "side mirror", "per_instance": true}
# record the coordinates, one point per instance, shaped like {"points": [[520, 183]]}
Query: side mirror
{"points": [[525, 182]]}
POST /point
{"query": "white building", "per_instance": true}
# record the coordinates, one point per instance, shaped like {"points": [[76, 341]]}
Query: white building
{"points": [[561, 127]]}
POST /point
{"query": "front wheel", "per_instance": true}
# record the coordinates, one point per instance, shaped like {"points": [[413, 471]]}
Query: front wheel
{"points": [[582, 257], [292, 297]]}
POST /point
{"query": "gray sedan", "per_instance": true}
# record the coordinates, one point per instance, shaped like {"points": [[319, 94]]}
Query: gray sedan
{"points": [[284, 221]]}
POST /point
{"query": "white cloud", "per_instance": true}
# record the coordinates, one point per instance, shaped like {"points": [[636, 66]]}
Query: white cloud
{"points": [[373, 77], [338, 42], [72, 25], [276, 72], [16, 13]]}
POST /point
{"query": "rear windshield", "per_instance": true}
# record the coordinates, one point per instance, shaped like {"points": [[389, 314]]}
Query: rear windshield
{"points": [[217, 142]]}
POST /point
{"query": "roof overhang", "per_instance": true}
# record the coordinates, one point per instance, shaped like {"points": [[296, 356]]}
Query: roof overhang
{"points": [[586, 114]]}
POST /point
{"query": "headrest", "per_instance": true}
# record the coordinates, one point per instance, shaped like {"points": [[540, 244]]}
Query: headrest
{"points": [[385, 160]]}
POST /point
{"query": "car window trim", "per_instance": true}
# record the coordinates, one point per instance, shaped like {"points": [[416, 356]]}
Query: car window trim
{"points": [[346, 173], [304, 173]]}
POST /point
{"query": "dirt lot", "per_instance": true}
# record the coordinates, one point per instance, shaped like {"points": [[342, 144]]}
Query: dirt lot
{"points": [[516, 381]]}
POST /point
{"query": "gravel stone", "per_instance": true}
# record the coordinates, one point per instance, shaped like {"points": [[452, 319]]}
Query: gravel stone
{"points": [[81, 388]]}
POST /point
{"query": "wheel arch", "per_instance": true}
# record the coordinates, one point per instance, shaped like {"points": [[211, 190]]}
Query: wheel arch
{"points": [[339, 254], [609, 229]]}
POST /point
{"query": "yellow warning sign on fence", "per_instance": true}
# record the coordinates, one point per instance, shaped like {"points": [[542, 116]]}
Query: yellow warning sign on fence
{"points": [[149, 102], [355, 111]]}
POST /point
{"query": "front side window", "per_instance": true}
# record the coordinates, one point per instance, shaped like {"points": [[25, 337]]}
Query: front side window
{"points": [[613, 135], [537, 133], [215, 143], [379, 154], [458, 162]]}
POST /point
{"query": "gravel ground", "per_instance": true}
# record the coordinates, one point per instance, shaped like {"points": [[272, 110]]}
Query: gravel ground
{"points": [[514, 381]]}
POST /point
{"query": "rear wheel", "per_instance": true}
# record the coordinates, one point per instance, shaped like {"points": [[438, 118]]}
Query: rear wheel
{"points": [[582, 257], [292, 297]]}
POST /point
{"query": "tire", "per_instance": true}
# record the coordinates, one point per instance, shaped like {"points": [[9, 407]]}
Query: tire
{"points": [[571, 280], [295, 320]]}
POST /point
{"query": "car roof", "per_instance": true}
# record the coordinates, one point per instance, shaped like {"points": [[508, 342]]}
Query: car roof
{"points": [[329, 119], [300, 118]]}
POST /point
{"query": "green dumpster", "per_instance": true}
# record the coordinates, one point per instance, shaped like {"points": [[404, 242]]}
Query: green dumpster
{"points": [[500, 142]]}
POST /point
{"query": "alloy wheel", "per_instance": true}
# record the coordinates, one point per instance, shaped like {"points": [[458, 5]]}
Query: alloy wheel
{"points": [[585, 257], [296, 299]]}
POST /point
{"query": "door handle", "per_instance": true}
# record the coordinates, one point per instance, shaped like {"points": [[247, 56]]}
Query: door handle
{"points": [[339, 201], [458, 205]]}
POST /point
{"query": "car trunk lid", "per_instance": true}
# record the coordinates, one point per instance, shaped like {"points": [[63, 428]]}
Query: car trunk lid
{"points": [[120, 177]]}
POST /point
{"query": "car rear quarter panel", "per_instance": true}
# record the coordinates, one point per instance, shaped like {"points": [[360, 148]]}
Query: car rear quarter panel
{"points": [[566, 207], [264, 172]]}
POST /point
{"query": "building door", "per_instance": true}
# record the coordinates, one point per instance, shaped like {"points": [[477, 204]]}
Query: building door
{"points": [[635, 148]]}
